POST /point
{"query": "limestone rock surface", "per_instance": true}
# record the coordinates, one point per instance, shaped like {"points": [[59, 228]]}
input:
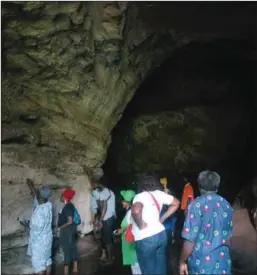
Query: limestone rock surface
{"points": [[194, 112], [20, 164], [185, 141], [70, 68]]}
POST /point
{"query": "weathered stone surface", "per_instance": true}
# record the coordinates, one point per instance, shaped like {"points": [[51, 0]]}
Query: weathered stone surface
{"points": [[184, 140], [43, 167], [77, 64]]}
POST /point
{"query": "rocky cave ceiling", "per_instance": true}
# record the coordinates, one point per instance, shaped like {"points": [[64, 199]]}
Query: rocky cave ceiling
{"points": [[70, 68]]}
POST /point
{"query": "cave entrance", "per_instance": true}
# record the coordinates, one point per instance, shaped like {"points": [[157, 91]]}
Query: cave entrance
{"points": [[194, 112]]}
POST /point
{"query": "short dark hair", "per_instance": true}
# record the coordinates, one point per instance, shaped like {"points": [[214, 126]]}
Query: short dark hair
{"points": [[148, 182], [208, 181], [96, 178]]}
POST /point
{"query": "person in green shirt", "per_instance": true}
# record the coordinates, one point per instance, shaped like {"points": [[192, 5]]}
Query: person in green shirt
{"points": [[129, 255]]}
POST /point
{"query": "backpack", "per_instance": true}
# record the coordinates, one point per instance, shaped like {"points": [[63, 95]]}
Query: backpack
{"points": [[77, 219]]}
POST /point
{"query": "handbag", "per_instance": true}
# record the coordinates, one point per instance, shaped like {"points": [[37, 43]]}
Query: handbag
{"points": [[129, 237]]}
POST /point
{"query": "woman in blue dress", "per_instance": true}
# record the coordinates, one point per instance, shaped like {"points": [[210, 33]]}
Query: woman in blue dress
{"points": [[41, 237], [207, 230]]}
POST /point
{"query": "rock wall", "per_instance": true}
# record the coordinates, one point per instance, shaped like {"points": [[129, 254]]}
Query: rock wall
{"points": [[20, 163], [75, 65], [72, 67], [186, 141]]}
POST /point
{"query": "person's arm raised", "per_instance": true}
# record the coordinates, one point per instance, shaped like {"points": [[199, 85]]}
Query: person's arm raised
{"points": [[32, 188]]}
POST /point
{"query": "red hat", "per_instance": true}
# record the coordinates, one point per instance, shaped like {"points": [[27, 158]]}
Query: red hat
{"points": [[68, 194]]}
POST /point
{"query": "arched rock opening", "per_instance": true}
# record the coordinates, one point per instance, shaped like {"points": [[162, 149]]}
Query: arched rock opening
{"points": [[196, 111]]}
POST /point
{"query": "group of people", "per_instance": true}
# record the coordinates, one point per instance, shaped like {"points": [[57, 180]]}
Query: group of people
{"points": [[41, 231], [150, 214]]}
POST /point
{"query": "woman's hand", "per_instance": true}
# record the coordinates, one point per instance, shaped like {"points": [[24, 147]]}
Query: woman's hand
{"points": [[183, 270]]}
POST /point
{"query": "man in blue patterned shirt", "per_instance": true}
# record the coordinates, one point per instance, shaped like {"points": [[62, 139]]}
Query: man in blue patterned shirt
{"points": [[207, 230]]}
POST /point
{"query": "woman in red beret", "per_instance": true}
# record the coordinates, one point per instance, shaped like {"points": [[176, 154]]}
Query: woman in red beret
{"points": [[67, 229]]}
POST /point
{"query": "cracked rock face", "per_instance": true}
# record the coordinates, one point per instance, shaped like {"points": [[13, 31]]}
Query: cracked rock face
{"points": [[69, 70], [74, 73]]}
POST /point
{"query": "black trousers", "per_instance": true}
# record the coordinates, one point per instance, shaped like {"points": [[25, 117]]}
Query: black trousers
{"points": [[68, 244], [107, 232]]}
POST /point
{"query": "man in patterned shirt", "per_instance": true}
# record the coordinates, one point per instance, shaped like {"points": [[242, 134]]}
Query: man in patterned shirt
{"points": [[207, 230]]}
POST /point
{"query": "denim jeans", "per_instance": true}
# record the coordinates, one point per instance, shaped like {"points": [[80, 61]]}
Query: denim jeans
{"points": [[169, 234], [151, 254]]}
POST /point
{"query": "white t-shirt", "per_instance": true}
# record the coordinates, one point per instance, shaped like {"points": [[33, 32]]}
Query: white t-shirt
{"points": [[94, 202], [150, 213], [106, 194]]}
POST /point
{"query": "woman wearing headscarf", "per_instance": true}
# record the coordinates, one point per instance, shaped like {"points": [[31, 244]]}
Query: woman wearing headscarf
{"points": [[41, 237], [207, 230], [67, 230], [129, 255]]}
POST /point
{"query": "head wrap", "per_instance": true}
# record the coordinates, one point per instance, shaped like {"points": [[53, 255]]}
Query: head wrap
{"points": [[45, 192], [164, 182], [68, 194], [128, 195]]}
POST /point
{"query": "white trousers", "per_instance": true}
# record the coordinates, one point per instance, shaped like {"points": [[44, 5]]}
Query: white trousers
{"points": [[136, 269]]}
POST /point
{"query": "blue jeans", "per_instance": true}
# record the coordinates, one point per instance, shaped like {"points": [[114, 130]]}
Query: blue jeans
{"points": [[151, 254]]}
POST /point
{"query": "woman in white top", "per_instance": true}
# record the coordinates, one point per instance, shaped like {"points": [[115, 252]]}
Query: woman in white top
{"points": [[148, 229]]}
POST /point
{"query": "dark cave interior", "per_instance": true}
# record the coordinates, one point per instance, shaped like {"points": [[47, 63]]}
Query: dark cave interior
{"points": [[219, 75]]}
